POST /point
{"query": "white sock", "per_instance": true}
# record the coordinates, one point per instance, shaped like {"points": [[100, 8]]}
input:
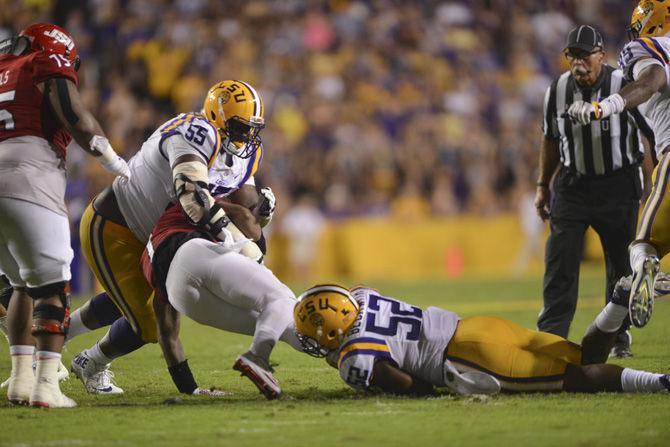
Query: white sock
{"points": [[22, 350], [638, 252], [47, 355], [96, 354], [77, 326], [611, 317], [22, 359], [633, 381], [47, 367]]}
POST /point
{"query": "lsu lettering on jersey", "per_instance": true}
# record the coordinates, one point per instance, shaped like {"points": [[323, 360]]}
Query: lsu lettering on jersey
{"points": [[657, 108], [412, 339], [144, 197]]}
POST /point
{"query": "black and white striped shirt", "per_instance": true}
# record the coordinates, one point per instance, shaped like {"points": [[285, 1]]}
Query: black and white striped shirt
{"points": [[601, 147]]}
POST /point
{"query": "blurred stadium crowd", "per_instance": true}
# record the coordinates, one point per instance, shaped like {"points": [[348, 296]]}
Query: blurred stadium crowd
{"points": [[373, 107]]}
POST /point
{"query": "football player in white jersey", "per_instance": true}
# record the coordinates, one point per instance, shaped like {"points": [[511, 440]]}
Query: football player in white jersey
{"points": [[644, 61], [220, 146], [381, 343]]}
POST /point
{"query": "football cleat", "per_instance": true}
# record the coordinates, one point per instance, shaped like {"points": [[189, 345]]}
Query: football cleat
{"points": [[20, 386], [621, 348], [98, 379], [47, 394], [63, 374], [260, 376], [641, 301]]}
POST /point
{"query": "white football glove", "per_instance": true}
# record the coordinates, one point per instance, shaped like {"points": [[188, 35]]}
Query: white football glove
{"points": [[211, 392], [267, 208], [583, 113], [580, 112], [232, 239], [109, 159]]}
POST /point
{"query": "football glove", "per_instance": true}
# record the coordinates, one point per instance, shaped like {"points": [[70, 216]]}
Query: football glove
{"points": [[267, 207], [109, 159], [583, 113]]}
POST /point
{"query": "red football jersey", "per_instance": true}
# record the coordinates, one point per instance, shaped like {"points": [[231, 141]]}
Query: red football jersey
{"points": [[173, 221], [23, 108]]}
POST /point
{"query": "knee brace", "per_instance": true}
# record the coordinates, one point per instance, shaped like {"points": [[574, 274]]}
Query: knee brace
{"points": [[48, 312]]}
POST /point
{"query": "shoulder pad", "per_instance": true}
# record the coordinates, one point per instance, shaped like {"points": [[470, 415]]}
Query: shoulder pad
{"points": [[640, 49], [47, 66], [197, 132]]}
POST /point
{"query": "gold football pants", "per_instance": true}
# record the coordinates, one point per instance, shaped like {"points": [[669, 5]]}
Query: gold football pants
{"points": [[113, 253], [654, 223], [521, 359]]}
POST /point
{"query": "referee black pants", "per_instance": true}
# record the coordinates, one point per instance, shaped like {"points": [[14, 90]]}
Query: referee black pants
{"points": [[607, 204]]}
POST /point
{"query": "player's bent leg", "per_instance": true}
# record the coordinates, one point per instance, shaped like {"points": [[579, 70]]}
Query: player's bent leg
{"points": [[113, 253], [520, 359], [246, 285], [200, 305], [97, 312], [652, 242], [92, 365], [601, 335]]}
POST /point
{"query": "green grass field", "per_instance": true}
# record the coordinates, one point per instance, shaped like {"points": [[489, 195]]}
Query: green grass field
{"points": [[319, 410]]}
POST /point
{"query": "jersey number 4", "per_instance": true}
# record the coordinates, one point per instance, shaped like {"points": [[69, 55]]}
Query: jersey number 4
{"points": [[411, 318], [5, 116]]}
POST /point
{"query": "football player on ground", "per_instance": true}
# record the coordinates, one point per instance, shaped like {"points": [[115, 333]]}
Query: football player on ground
{"points": [[222, 142], [381, 343], [40, 113], [644, 61], [212, 283]]}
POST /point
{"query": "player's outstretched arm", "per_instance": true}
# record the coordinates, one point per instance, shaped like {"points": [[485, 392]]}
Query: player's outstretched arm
{"points": [[66, 103], [650, 80], [392, 380]]}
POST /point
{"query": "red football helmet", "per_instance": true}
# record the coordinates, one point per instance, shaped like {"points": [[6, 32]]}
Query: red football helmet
{"points": [[51, 39]]}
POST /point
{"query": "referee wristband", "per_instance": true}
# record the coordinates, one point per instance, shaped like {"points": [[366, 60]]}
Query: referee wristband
{"points": [[183, 378]]}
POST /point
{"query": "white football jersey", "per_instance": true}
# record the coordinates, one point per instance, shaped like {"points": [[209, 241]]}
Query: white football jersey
{"points": [[657, 108], [411, 338], [143, 198]]}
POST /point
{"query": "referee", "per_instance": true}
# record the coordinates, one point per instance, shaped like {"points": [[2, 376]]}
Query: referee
{"points": [[598, 181]]}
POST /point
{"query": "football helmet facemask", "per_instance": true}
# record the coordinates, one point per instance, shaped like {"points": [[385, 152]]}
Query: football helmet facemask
{"points": [[650, 19], [52, 39], [236, 109], [323, 316]]}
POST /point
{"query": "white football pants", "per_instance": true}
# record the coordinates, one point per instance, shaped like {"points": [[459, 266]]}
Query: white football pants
{"points": [[231, 292], [34, 244]]}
